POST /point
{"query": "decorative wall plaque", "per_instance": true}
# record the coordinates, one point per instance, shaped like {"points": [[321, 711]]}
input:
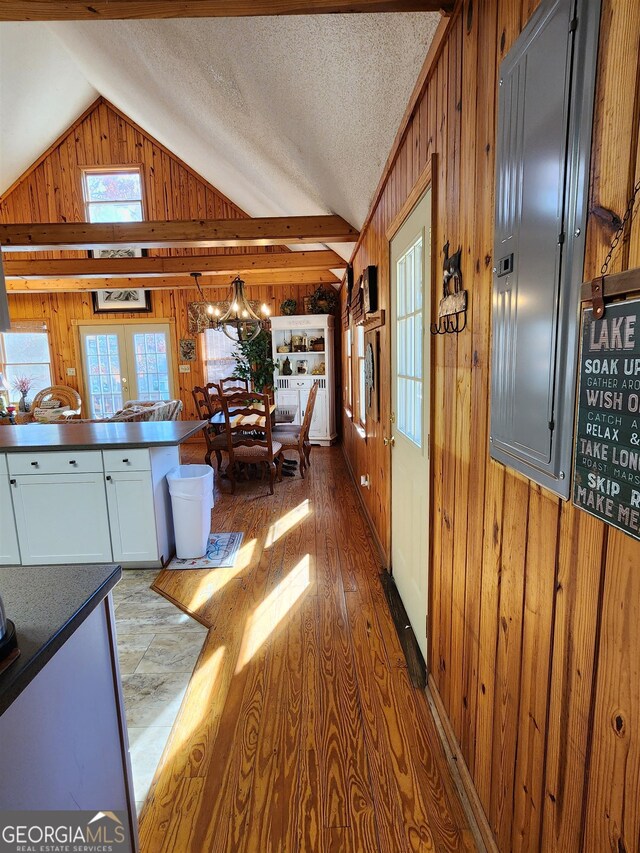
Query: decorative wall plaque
{"points": [[606, 477]]}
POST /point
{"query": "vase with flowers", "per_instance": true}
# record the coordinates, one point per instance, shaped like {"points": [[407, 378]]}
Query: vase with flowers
{"points": [[23, 384]]}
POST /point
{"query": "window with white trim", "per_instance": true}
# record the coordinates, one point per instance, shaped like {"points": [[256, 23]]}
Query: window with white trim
{"points": [[347, 349], [362, 399], [113, 195], [24, 353], [218, 355]]}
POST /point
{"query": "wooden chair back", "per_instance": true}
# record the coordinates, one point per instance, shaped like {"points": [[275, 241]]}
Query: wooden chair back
{"points": [[201, 399], [247, 419], [308, 412], [207, 400], [231, 385], [62, 393]]}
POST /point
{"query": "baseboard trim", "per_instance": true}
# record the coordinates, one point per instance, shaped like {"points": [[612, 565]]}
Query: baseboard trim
{"points": [[415, 662], [384, 562], [468, 793]]}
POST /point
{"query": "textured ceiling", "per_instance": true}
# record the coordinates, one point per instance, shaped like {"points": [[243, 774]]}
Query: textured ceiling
{"points": [[291, 115], [42, 91]]}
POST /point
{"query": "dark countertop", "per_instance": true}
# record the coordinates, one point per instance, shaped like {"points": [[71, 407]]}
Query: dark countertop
{"points": [[47, 604], [100, 436]]}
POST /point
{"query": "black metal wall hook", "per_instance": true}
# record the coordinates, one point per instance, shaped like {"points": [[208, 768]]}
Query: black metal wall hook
{"points": [[452, 310], [449, 325]]}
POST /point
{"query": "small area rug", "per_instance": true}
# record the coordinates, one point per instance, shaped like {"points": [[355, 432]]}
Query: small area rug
{"points": [[222, 551]]}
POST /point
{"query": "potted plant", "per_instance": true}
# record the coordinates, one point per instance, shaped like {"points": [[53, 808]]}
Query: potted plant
{"points": [[23, 384], [254, 362]]}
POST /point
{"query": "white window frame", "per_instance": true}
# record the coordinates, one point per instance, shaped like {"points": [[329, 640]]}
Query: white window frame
{"points": [[349, 384], [362, 399], [210, 359], [24, 328], [110, 170]]}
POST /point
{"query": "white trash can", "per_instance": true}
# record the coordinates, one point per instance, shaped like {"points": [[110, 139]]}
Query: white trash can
{"points": [[191, 490]]}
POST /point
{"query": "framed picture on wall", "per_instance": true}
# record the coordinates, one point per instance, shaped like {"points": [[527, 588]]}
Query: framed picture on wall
{"points": [[187, 349], [121, 301], [372, 374], [120, 252], [370, 289]]}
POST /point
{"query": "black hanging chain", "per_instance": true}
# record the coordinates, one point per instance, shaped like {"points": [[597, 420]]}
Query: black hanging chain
{"points": [[618, 235]]}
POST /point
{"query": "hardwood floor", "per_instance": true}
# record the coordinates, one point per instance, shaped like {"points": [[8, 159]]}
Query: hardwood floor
{"points": [[300, 730]]}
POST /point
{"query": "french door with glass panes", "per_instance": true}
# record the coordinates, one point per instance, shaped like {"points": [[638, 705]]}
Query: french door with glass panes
{"points": [[123, 362]]}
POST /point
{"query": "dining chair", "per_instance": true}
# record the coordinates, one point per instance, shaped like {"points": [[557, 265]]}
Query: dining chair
{"points": [[207, 404], [248, 431], [232, 385], [295, 437]]}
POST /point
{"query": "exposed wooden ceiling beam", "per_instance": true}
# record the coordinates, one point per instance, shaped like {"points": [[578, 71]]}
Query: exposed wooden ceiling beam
{"points": [[192, 234], [178, 266], [76, 10], [215, 281]]}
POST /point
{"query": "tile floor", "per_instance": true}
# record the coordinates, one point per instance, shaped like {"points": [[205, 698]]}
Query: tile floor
{"points": [[158, 646]]}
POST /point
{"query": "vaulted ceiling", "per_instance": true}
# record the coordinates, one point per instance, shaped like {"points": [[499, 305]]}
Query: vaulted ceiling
{"points": [[292, 115]]}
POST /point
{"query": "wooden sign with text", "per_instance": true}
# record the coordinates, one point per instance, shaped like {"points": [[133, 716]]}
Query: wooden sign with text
{"points": [[606, 475]]}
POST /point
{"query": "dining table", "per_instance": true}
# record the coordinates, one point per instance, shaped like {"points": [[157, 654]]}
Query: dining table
{"points": [[236, 417], [277, 416]]}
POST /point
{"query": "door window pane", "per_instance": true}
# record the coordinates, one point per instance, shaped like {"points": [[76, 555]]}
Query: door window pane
{"points": [[409, 343], [104, 374], [152, 373]]}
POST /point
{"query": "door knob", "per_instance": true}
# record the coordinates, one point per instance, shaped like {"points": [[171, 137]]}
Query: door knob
{"points": [[389, 442]]}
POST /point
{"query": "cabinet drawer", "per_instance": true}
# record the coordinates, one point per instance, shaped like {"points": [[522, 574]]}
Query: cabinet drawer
{"points": [[55, 462], [300, 383], [127, 459]]}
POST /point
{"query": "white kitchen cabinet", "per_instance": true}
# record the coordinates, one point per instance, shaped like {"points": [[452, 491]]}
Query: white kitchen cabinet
{"points": [[88, 507], [61, 518], [65, 499], [131, 516], [9, 550], [139, 504], [308, 341]]}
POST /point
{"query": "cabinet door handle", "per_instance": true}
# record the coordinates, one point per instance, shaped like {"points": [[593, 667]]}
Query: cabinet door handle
{"points": [[107, 477], [35, 464], [13, 482]]}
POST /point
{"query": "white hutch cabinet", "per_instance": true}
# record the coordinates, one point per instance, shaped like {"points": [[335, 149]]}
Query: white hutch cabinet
{"points": [[307, 343]]}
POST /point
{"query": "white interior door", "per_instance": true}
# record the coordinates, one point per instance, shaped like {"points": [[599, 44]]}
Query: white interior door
{"points": [[125, 362], [410, 393]]}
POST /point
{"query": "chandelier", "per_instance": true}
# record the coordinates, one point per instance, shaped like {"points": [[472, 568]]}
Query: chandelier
{"points": [[239, 316]]}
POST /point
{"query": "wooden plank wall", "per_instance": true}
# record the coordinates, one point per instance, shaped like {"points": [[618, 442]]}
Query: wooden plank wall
{"points": [[52, 192], [534, 605], [59, 309]]}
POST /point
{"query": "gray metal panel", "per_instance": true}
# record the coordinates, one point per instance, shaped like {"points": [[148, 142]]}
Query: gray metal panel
{"points": [[541, 133]]}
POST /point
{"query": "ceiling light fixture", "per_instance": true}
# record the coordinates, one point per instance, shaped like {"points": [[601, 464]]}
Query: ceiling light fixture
{"points": [[239, 316]]}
